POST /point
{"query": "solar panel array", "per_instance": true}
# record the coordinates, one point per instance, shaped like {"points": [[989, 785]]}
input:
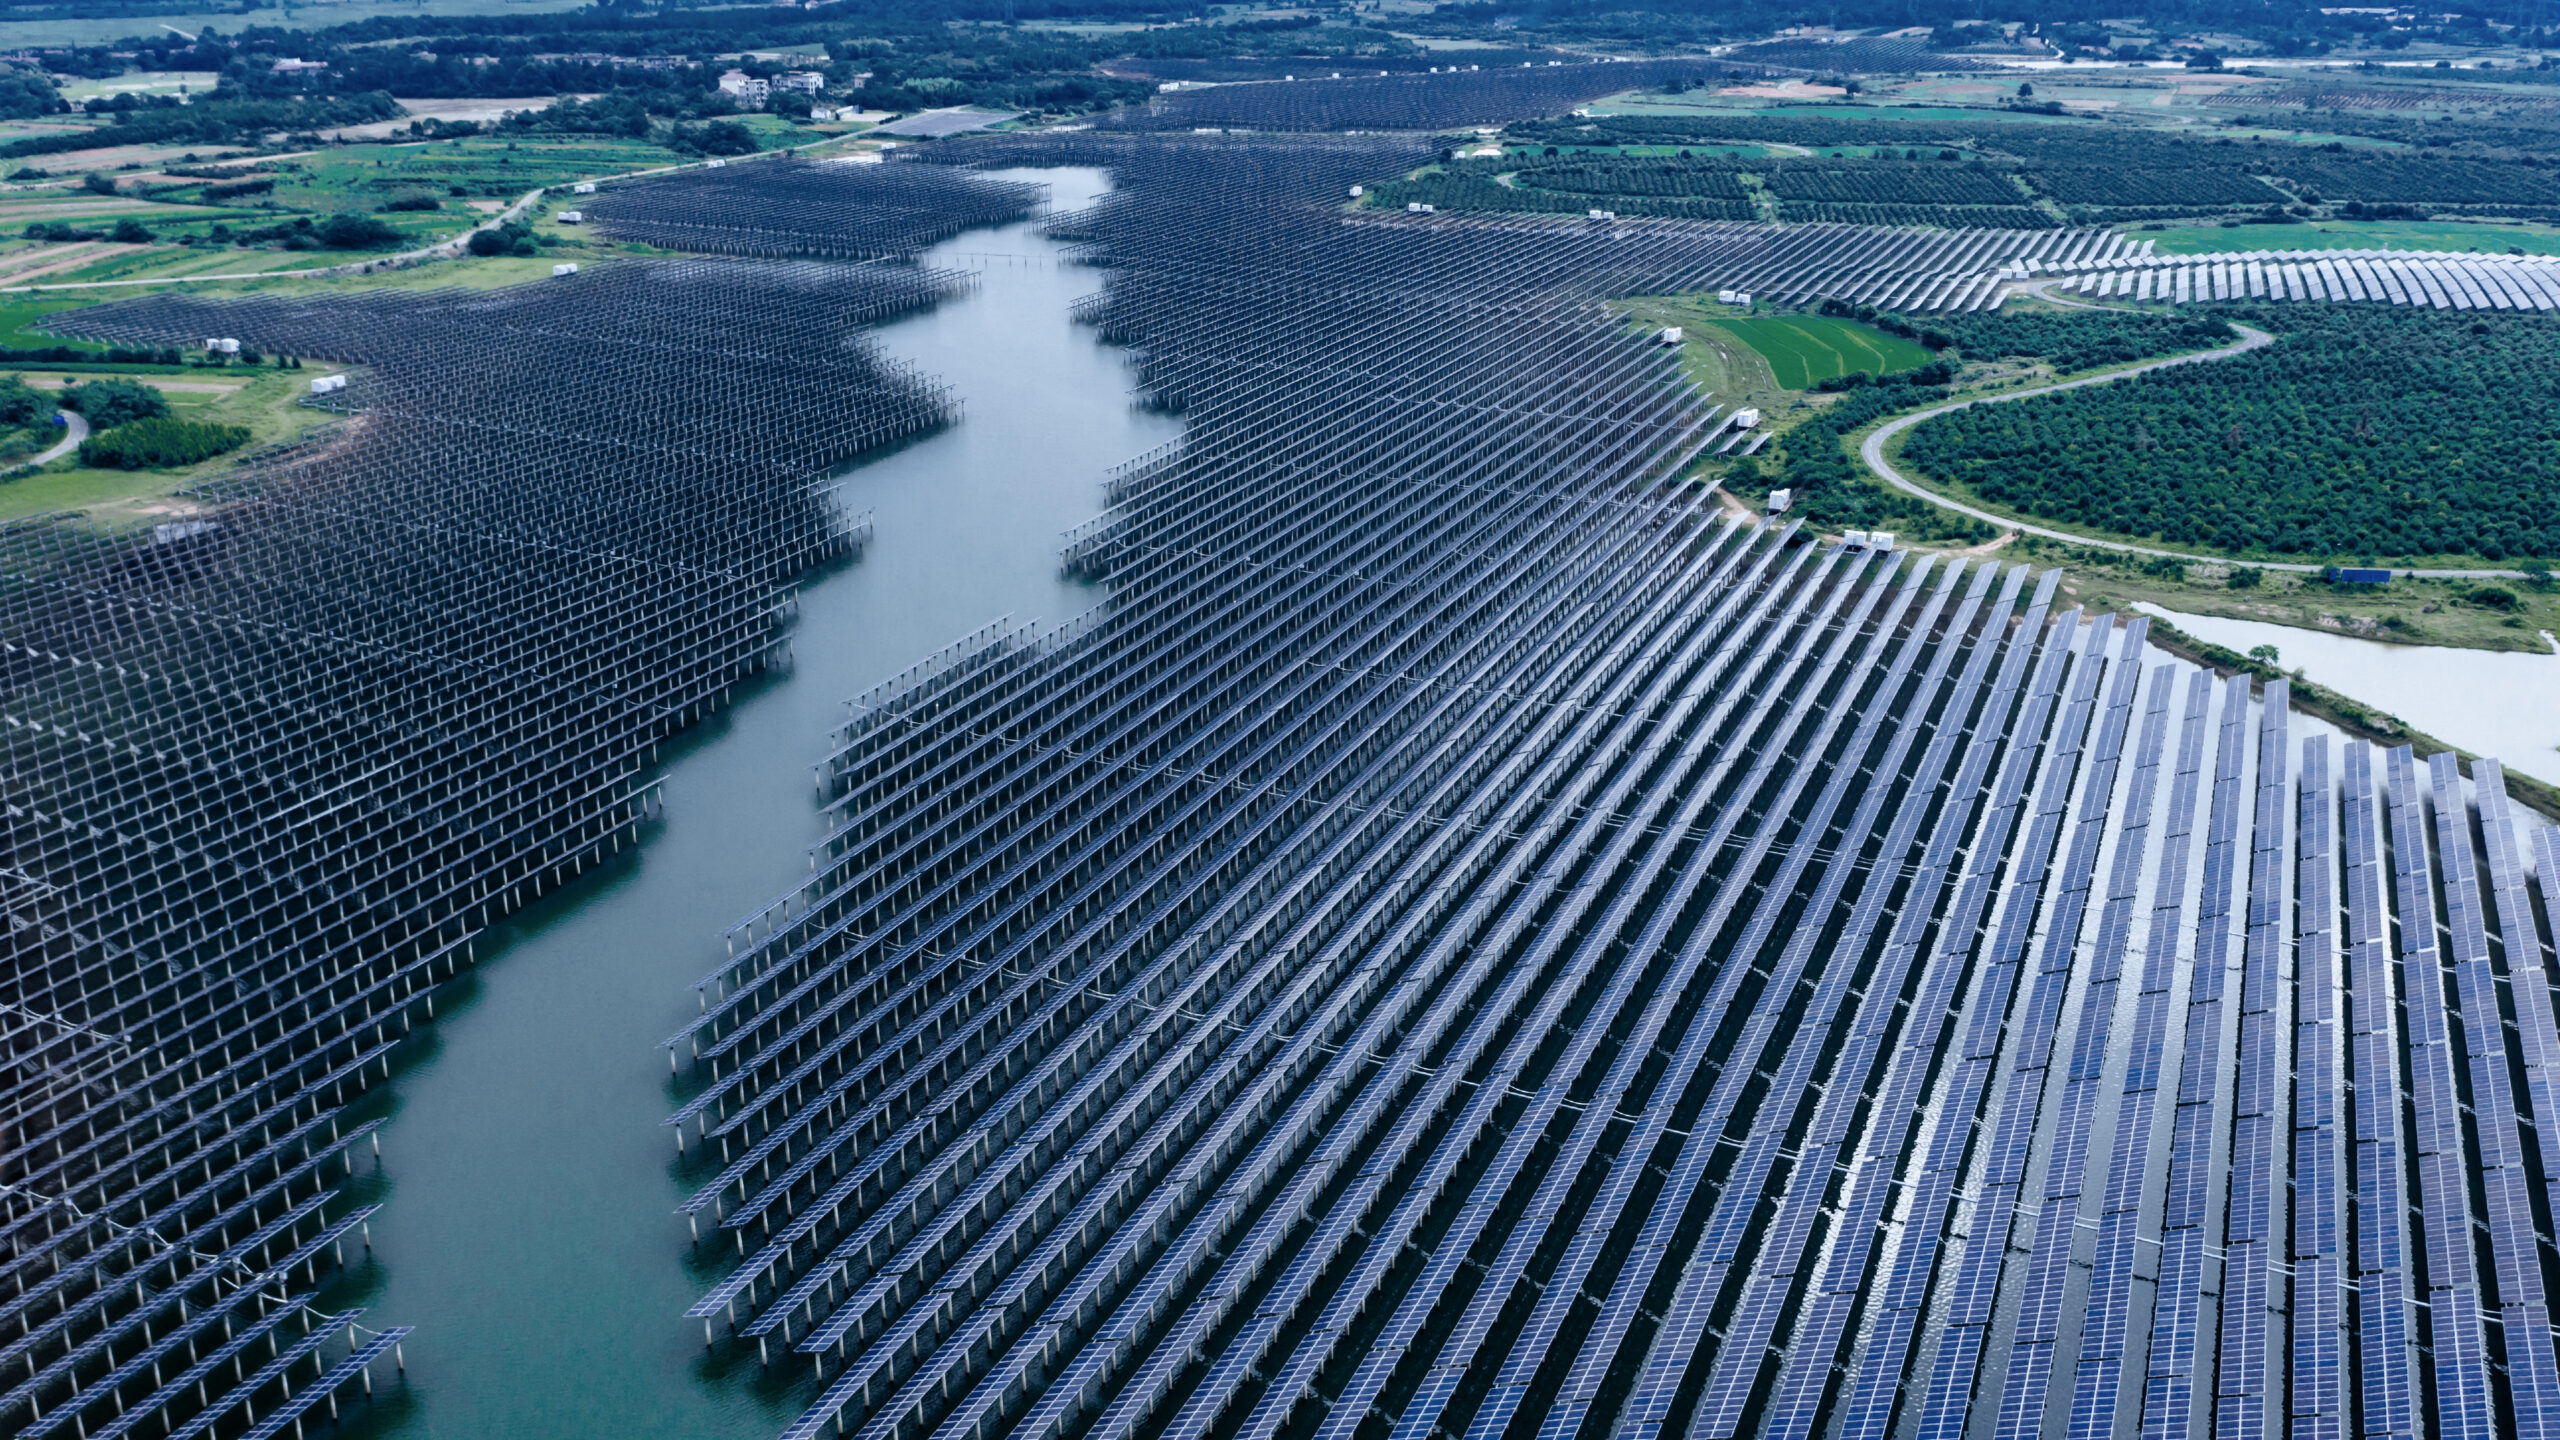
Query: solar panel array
{"points": [[787, 206], [273, 760], [1467, 939], [2390, 277]]}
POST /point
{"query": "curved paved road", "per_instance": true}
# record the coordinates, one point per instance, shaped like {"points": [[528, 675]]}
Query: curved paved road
{"points": [[76, 429], [1872, 452]]}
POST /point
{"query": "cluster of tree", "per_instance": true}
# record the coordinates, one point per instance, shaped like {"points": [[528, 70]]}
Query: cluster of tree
{"points": [[74, 355], [106, 404], [1832, 490], [1851, 192], [712, 138], [127, 231], [2290, 27], [1950, 217], [2079, 341], [514, 237], [160, 443], [223, 117], [21, 404], [347, 230], [1462, 192], [27, 93], [1698, 179], [1893, 183], [2363, 430], [2100, 171]]}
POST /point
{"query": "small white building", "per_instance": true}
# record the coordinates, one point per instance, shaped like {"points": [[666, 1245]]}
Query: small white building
{"points": [[1745, 419], [1357, 192], [1671, 335], [573, 217], [1780, 500], [1734, 297], [1416, 207], [1603, 217], [565, 268], [807, 82], [745, 88], [328, 384], [1879, 539], [223, 346], [1853, 539], [582, 188]]}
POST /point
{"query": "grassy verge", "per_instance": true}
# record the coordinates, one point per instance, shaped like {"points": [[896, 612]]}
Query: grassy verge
{"points": [[2356, 719], [2405, 612]]}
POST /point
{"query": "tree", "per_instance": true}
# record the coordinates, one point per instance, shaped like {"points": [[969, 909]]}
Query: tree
{"points": [[159, 443], [349, 231], [130, 231], [2026, 91], [20, 404], [98, 184], [2242, 577], [106, 404], [2265, 654]]}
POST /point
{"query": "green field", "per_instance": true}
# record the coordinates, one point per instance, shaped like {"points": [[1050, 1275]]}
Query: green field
{"points": [[2356, 235], [1805, 350], [18, 319]]}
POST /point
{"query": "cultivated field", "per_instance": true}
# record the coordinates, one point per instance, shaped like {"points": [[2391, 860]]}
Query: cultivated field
{"points": [[1805, 350]]}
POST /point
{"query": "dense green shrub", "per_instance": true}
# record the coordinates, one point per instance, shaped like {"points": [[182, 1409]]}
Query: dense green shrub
{"points": [[2081, 340], [346, 231], [21, 404], [1833, 490], [109, 403], [715, 137], [2364, 429], [160, 442]]}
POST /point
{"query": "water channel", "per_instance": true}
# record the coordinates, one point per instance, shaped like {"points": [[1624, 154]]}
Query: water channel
{"points": [[527, 1229]]}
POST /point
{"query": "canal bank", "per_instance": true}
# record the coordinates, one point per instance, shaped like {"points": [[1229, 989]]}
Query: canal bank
{"points": [[528, 1229]]}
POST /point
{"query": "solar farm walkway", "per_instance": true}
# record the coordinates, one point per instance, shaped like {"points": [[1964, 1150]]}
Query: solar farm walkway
{"points": [[1465, 940]]}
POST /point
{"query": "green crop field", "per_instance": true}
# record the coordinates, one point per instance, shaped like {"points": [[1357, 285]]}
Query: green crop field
{"points": [[1805, 350], [18, 324]]}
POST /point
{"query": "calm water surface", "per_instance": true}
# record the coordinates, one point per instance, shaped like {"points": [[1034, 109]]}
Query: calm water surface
{"points": [[528, 1229], [2502, 704]]}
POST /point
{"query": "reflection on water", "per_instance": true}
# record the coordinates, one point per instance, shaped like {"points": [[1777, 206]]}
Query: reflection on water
{"points": [[529, 1229], [2496, 703]]}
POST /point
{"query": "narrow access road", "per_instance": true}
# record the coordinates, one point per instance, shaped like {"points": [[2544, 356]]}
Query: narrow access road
{"points": [[76, 429], [1872, 452]]}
